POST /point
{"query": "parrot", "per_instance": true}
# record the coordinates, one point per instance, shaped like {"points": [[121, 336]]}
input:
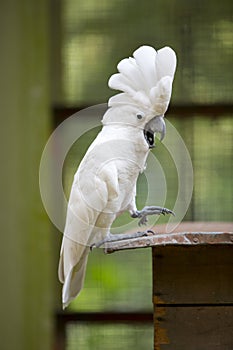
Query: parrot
{"points": [[104, 185]]}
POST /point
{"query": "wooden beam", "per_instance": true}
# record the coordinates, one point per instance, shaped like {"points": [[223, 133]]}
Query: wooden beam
{"points": [[184, 234], [60, 113]]}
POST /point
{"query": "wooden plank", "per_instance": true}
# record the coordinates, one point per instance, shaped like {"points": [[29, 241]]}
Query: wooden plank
{"points": [[186, 233], [180, 238], [194, 328], [193, 275]]}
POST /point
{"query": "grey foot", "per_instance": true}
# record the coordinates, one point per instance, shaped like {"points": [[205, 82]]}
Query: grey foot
{"points": [[120, 237], [150, 210]]}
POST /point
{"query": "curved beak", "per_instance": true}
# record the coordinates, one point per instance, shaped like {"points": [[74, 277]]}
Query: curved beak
{"points": [[163, 129], [157, 125]]}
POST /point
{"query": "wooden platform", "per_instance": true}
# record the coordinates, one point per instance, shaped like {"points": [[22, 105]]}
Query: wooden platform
{"points": [[192, 285], [187, 233]]}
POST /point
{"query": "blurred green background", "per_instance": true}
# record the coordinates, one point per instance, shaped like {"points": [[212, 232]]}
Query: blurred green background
{"points": [[56, 58]]}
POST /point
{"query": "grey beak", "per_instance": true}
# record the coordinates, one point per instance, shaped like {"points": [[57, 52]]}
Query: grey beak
{"points": [[157, 125], [163, 131]]}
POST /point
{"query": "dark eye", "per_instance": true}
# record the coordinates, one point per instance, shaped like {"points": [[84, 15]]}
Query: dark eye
{"points": [[139, 116]]}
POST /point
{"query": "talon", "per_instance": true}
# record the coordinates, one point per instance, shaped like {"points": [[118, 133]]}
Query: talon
{"points": [[167, 211], [142, 221], [135, 215], [145, 234], [151, 231], [92, 247]]}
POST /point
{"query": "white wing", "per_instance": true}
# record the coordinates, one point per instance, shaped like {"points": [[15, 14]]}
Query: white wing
{"points": [[86, 220]]}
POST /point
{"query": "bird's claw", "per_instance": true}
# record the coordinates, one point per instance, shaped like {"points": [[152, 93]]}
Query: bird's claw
{"points": [[120, 237], [150, 210], [167, 211], [143, 221]]}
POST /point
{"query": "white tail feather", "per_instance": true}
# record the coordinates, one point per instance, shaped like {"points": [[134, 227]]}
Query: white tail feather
{"points": [[74, 280]]}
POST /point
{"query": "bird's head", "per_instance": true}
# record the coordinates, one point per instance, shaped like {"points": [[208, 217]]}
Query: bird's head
{"points": [[141, 118], [146, 84]]}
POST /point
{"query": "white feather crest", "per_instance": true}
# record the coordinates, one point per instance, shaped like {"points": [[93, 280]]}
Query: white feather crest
{"points": [[146, 79]]}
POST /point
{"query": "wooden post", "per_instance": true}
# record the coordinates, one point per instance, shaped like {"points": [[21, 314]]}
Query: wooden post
{"points": [[26, 288], [192, 285], [193, 299]]}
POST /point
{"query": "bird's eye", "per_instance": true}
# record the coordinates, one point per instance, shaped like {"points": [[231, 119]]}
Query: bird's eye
{"points": [[140, 115]]}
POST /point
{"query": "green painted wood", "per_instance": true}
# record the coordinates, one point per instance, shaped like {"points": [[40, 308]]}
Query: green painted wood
{"points": [[25, 267]]}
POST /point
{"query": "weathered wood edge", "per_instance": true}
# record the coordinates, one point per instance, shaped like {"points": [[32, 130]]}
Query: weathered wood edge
{"points": [[178, 238]]}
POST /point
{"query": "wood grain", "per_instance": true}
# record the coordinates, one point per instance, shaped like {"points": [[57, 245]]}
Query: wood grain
{"points": [[194, 328], [193, 274]]}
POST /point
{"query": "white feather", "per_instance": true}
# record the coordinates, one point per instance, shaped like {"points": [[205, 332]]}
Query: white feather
{"points": [[129, 68], [119, 99], [166, 62], [146, 60], [119, 81], [141, 78]]}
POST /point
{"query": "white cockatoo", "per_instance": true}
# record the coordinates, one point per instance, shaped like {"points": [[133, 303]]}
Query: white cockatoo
{"points": [[104, 185]]}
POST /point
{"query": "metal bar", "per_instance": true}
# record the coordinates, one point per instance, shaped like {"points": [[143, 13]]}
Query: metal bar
{"points": [[105, 317]]}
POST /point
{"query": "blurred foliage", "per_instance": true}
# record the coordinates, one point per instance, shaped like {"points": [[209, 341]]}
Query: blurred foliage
{"points": [[97, 34]]}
